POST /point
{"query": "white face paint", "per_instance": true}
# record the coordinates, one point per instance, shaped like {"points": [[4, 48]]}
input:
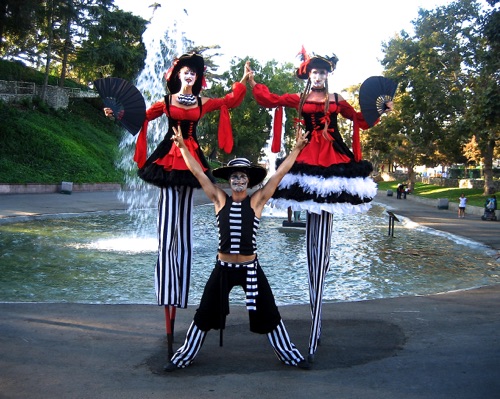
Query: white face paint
{"points": [[238, 181], [318, 77], [187, 76]]}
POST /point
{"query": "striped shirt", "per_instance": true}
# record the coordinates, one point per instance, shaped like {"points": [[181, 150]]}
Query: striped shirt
{"points": [[238, 227]]}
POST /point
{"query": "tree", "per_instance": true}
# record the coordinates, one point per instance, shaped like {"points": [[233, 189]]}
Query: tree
{"points": [[49, 30], [113, 45], [441, 71], [17, 24], [471, 151], [48, 34], [483, 113]]}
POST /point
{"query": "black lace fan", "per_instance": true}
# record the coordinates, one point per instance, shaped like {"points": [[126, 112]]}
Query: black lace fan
{"points": [[373, 94], [127, 103]]}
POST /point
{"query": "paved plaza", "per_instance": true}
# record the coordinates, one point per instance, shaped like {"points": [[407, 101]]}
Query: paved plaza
{"points": [[421, 347]]}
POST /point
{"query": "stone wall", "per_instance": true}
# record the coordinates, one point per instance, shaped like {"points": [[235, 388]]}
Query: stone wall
{"points": [[438, 181], [56, 97]]}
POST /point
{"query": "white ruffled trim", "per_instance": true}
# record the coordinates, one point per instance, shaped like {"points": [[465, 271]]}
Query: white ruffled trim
{"points": [[315, 207], [364, 187]]}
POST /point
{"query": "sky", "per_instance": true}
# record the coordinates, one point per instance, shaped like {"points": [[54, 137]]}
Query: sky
{"points": [[273, 29]]}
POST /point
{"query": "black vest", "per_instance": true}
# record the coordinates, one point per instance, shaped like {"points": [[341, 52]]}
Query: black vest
{"points": [[237, 228]]}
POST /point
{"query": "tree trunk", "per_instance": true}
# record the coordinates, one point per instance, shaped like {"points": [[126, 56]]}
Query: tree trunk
{"points": [[411, 178], [50, 28], [3, 11], [67, 49], [489, 187], [64, 66]]}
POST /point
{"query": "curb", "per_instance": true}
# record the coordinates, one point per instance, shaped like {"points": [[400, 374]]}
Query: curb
{"points": [[35, 188]]}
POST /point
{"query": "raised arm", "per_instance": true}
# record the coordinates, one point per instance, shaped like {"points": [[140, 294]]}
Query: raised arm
{"points": [[260, 197], [214, 193], [267, 99]]}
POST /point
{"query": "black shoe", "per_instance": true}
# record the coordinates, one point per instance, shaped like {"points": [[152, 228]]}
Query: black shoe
{"points": [[169, 367], [304, 365], [310, 358]]}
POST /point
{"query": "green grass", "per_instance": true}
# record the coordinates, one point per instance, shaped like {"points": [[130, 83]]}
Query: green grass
{"points": [[46, 146], [475, 197], [41, 145]]}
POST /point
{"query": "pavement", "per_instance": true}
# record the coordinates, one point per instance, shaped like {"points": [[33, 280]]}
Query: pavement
{"points": [[435, 346]]}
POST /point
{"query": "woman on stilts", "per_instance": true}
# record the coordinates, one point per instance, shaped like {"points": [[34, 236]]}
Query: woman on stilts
{"points": [[327, 176], [166, 169]]}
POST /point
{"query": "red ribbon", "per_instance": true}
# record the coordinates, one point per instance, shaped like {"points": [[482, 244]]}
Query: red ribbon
{"points": [[278, 122], [225, 132], [141, 147], [326, 121]]}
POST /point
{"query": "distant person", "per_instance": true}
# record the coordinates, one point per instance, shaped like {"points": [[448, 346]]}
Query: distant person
{"points": [[490, 207], [399, 191], [238, 218], [491, 203], [462, 202]]}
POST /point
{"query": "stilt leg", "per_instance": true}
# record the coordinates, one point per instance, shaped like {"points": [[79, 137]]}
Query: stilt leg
{"points": [[318, 238], [172, 321], [168, 327]]}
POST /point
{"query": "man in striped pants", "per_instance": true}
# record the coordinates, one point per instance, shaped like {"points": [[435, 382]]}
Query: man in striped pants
{"points": [[238, 218]]}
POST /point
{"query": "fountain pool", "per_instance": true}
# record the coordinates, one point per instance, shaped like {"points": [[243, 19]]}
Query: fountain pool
{"points": [[102, 259]]}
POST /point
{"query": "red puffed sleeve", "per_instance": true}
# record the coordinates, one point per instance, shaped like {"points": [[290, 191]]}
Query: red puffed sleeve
{"points": [[347, 111], [267, 99], [141, 146], [230, 100]]}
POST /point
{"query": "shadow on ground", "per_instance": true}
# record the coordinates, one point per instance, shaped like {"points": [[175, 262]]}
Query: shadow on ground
{"points": [[351, 342]]}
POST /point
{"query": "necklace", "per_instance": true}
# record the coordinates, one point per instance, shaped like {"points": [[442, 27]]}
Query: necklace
{"points": [[186, 99]]}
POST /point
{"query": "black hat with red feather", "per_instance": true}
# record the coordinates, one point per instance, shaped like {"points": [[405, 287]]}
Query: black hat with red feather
{"points": [[315, 61]]}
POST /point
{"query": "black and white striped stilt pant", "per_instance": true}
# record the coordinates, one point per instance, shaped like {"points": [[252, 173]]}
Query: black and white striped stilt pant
{"points": [[318, 242], [284, 349], [173, 267]]}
